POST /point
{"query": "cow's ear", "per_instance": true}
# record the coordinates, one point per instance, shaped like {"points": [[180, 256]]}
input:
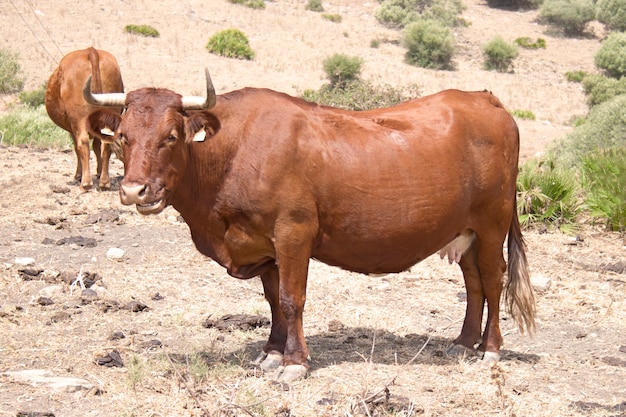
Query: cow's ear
{"points": [[201, 126], [102, 124]]}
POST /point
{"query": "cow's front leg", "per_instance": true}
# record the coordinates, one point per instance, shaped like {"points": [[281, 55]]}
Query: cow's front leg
{"points": [[272, 355]]}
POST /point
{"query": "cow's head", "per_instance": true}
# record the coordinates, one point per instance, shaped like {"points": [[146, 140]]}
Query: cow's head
{"points": [[154, 132]]}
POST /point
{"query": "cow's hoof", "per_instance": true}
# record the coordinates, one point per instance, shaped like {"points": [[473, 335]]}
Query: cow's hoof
{"points": [[491, 358], [268, 361], [290, 373]]}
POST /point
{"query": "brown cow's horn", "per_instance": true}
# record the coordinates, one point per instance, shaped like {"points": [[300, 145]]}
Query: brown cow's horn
{"points": [[201, 103], [108, 99]]}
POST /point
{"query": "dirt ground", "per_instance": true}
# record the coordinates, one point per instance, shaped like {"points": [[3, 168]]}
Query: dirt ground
{"points": [[377, 343]]}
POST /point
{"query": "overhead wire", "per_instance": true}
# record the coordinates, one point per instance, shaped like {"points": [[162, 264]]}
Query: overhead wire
{"points": [[34, 33]]}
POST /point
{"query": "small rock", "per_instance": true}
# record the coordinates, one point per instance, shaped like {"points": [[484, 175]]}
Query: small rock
{"points": [[88, 295], [37, 377], [117, 336], [136, 306], [44, 301], [24, 261], [110, 360], [540, 283], [115, 254], [50, 291]]}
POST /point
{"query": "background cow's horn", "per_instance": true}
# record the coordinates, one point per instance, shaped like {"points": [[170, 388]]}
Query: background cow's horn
{"points": [[201, 103], [108, 99]]}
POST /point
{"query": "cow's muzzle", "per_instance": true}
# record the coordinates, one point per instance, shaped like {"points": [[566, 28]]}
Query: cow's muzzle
{"points": [[137, 194]]}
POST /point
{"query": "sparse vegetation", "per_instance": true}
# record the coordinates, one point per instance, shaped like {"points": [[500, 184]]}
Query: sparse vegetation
{"points": [[523, 114], [600, 88], [231, 43], [25, 125], [499, 54], [611, 57], [34, 98], [612, 13], [335, 18], [314, 6], [575, 76], [142, 30], [528, 43], [605, 179], [429, 44], [400, 13], [547, 195], [10, 79], [253, 4], [570, 16], [342, 69], [361, 95]]}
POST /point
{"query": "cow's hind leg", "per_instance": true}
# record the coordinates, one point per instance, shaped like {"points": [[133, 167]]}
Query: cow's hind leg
{"points": [[272, 355], [470, 332], [81, 146], [103, 155]]}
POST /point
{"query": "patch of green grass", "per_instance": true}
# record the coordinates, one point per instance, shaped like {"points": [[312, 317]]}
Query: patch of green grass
{"points": [[26, 125], [231, 43], [314, 6], [361, 95], [523, 114], [34, 98], [526, 42], [547, 195], [335, 18], [253, 4], [605, 181], [575, 76], [142, 30], [10, 79]]}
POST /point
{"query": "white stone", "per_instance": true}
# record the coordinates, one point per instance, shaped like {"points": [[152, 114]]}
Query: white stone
{"points": [[24, 261], [115, 254], [37, 377], [540, 282]]}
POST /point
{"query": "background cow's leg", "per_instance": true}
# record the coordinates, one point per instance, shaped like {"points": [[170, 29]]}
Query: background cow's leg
{"points": [[79, 169], [81, 145], [470, 332], [272, 355], [103, 155]]}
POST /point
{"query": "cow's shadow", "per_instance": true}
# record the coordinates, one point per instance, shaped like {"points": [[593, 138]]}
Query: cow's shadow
{"points": [[366, 344]]}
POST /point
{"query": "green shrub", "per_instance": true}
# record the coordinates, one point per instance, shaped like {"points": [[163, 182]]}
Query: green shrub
{"points": [[499, 54], [547, 195], [570, 16], [375, 43], [34, 98], [611, 57], [10, 79], [142, 30], [341, 69], [314, 6], [523, 114], [575, 76], [604, 128], [399, 13], [231, 43], [335, 18], [253, 4], [361, 95], [605, 180], [612, 13], [429, 44], [528, 43], [600, 88], [25, 125]]}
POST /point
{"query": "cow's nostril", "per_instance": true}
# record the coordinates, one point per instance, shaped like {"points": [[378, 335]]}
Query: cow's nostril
{"points": [[133, 194]]}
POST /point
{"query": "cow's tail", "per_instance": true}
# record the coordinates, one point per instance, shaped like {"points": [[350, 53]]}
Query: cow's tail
{"points": [[519, 295], [96, 79]]}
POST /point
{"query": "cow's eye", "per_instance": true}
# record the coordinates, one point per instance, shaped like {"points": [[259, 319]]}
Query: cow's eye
{"points": [[171, 139]]}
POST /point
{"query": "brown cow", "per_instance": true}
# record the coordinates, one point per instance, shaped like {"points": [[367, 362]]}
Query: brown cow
{"points": [[67, 108], [266, 181]]}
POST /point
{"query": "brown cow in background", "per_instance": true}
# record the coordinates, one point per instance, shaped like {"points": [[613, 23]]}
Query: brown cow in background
{"points": [[266, 181], [68, 109]]}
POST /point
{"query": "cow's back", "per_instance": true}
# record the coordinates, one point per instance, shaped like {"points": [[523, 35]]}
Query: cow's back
{"points": [[64, 101]]}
